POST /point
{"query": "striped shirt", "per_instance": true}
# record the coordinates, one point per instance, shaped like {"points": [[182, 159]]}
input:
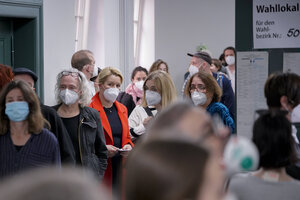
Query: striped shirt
{"points": [[40, 150]]}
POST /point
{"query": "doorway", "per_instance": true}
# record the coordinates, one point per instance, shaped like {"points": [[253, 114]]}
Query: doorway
{"points": [[21, 36]]}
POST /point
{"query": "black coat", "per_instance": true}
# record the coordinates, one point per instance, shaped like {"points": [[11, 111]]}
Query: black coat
{"points": [[93, 151], [57, 127], [126, 99]]}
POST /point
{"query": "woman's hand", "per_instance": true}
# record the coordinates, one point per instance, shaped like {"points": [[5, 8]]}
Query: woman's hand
{"points": [[112, 150], [127, 148], [146, 121]]}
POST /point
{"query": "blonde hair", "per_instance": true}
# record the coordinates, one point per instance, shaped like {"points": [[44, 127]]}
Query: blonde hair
{"points": [[35, 118], [106, 72], [164, 84], [211, 85]]}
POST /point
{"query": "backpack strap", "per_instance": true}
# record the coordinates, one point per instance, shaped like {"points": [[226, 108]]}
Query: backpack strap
{"points": [[220, 79], [148, 111]]}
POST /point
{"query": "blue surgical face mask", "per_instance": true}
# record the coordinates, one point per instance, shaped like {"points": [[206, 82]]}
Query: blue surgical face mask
{"points": [[17, 111]]}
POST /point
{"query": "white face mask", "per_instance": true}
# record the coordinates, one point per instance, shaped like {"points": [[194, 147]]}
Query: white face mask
{"points": [[230, 60], [193, 70], [111, 94], [95, 72], [240, 155], [152, 98], [69, 97], [139, 84], [198, 98]]}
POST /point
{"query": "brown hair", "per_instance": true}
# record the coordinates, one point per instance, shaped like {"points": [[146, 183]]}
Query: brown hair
{"points": [[156, 64], [81, 58], [155, 172], [35, 118], [211, 85], [282, 84], [138, 69], [217, 63], [6, 75]]}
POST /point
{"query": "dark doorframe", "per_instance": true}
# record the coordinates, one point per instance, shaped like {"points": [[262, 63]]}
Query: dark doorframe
{"points": [[26, 17]]}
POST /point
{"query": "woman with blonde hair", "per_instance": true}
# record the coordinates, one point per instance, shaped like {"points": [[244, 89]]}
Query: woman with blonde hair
{"points": [[24, 143], [159, 91], [115, 122], [205, 92]]}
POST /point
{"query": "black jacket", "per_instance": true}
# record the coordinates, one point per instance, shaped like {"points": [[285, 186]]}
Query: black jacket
{"points": [[57, 127], [126, 99], [93, 151]]}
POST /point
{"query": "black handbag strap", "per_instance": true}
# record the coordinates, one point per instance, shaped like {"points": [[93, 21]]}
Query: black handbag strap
{"points": [[148, 111]]}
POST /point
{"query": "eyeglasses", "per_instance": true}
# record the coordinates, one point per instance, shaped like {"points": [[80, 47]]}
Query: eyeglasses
{"points": [[66, 73], [199, 86]]}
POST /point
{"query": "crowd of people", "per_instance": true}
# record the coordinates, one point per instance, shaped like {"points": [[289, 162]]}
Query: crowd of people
{"points": [[146, 142]]}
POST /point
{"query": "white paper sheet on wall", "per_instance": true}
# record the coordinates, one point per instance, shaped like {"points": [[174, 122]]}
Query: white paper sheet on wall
{"points": [[291, 62], [252, 72]]}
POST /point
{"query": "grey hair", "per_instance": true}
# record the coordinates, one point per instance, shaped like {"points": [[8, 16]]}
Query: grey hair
{"points": [[84, 97]]}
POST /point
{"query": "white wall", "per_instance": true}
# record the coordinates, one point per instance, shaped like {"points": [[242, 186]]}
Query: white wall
{"points": [[96, 31], [180, 26], [59, 45], [147, 56], [111, 35]]}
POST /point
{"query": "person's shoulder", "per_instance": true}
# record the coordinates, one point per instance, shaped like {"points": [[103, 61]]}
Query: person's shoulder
{"points": [[47, 110], [95, 100], [221, 106], [55, 107], [296, 182], [124, 96], [139, 107], [224, 77], [45, 133], [120, 106], [125, 99], [90, 110], [217, 105], [5, 135], [241, 179], [242, 185]]}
